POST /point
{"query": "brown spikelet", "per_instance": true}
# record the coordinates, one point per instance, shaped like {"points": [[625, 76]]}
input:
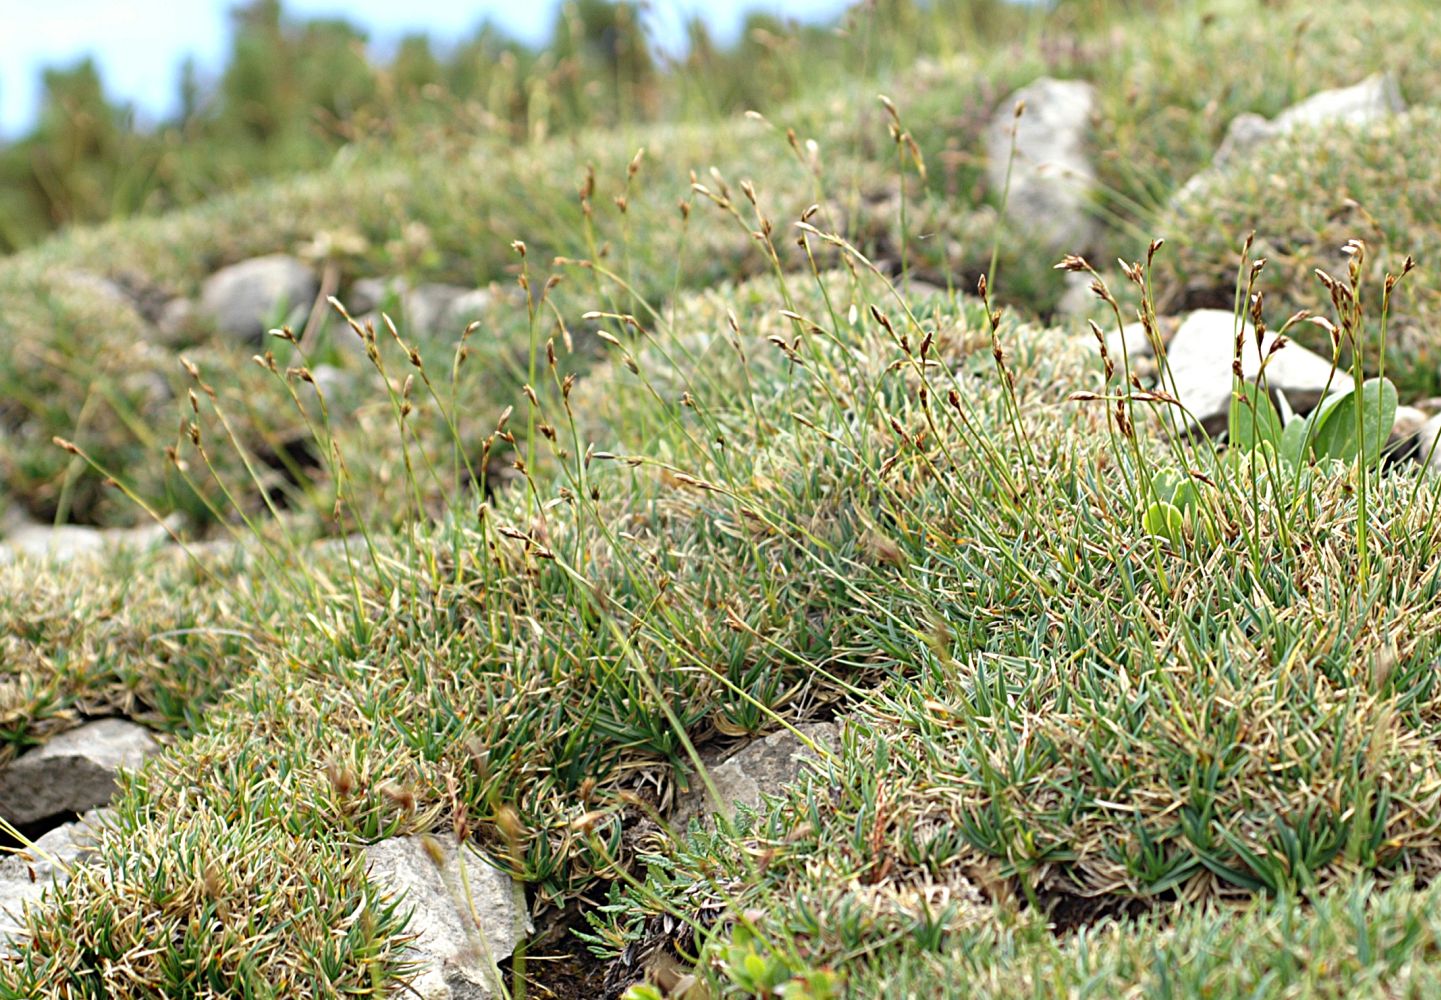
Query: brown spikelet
{"points": [[1123, 421], [883, 548]]}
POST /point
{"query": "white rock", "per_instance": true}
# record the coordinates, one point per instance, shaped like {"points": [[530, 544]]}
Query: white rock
{"points": [[428, 306], [1427, 448], [1052, 180], [457, 944], [1130, 341], [1199, 356], [64, 542], [175, 321], [97, 286], [765, 767], [1077, 300], [464, 309], [74, 772], [244, 299], [368, 294], [26, 876], [1372, 98], [332, 381], [1246, 131], [430, 309], [1407, 426]]}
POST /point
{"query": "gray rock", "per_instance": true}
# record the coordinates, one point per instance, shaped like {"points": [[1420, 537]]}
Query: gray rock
{"points": [[332, 381], [1130, 341], [765, 767], [457, 944], [1052, 180], [427, 308], [74, 772], [1131, 345], [1427, 448], [466, 308], [1372, 98], [97, 286], [1077, 300], [24, 538], [368, 294], [430, 309], [242, 300], [27, 875], [1407, 427], [1246, 132], [175, 322], [916, 290], [148, 384], [1199, 357]]}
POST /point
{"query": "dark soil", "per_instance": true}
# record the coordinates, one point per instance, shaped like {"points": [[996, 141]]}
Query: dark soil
{"points": [[1069, 914], [575, 976]]}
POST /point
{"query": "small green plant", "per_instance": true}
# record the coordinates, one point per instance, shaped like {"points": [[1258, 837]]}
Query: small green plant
{"points": [[754, 969], [1339, 430], [1174, 510], [1261, 443], [1274, 448]]}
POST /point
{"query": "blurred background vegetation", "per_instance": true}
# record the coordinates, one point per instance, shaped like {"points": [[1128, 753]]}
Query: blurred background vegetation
{"points": [[295, 91]]}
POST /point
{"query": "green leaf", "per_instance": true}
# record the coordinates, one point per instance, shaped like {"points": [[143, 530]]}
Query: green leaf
{"points": [[1164, 520], [1186, 497], [1378, 416], [1164, 485], [1336, 434], [1293, 439], [1253, 418], [1323, 421]]}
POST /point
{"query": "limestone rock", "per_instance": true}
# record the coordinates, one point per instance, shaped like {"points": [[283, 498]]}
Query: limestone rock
{"points": [[332, 381], [96, 286], [1199, 356], [457, 946], [765, 767], [74, 772], [1427, 448], [464, 309], [1130, 341], [1372, 98], [430, 310], [175, 322], [427, 307], [1246, 131], [25, 877], [64, 542], [1077, 300], [244, 299], [369, 294], [1052, 180], [1406, 429]]}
